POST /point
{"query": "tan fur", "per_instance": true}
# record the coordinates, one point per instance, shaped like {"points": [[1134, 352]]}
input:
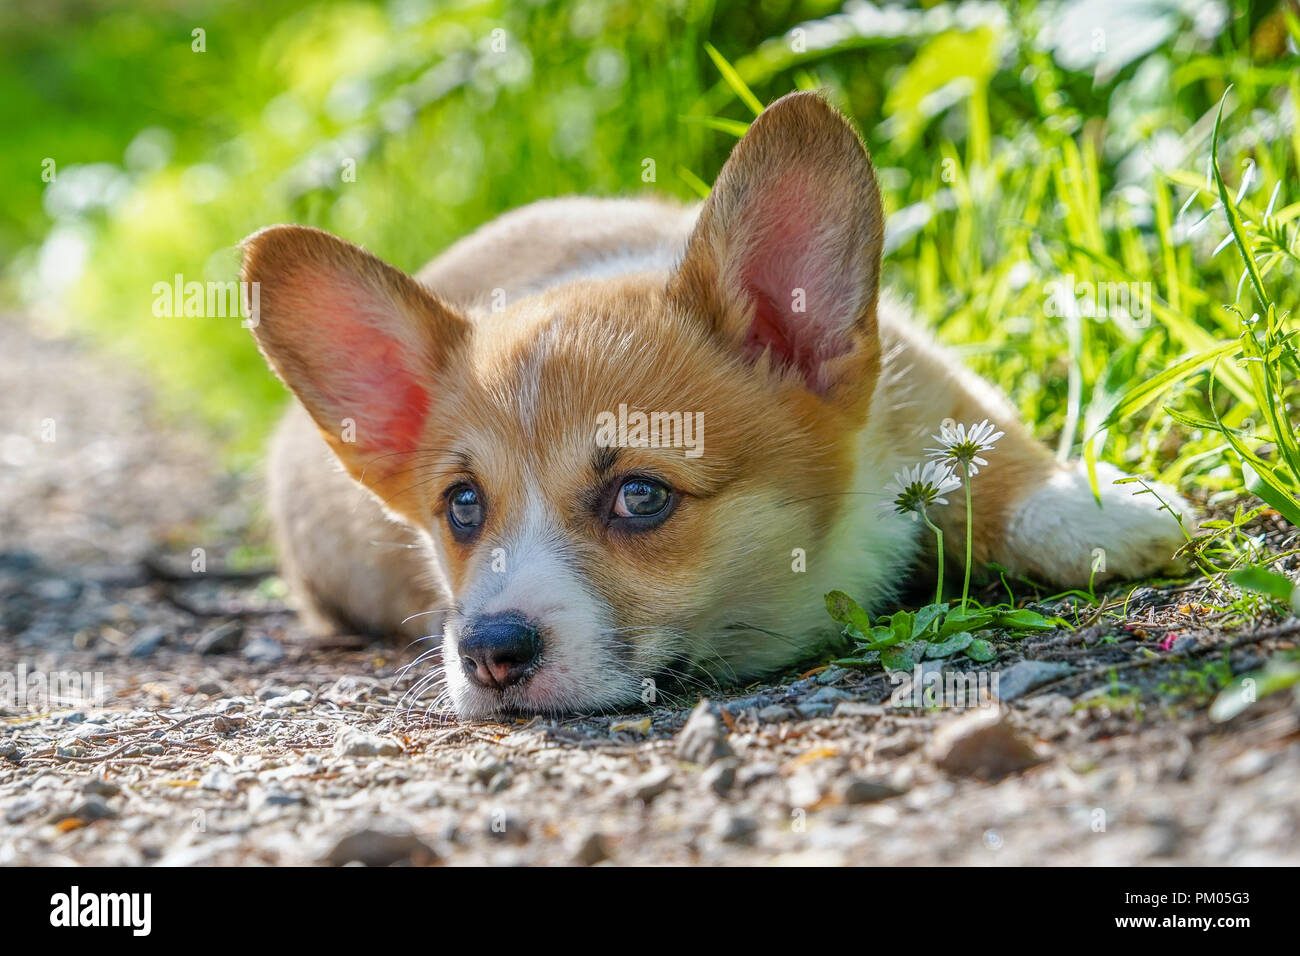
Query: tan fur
{"points": [[791, 460], [347, 562]]}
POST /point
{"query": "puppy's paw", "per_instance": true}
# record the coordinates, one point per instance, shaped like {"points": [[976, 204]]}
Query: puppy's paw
{"points": [[1060, 533]]}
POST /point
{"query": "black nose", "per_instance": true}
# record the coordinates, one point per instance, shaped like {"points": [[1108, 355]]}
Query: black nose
{"points": [[498, 650]]}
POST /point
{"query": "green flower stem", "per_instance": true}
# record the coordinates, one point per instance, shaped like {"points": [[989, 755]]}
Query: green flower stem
{"points": [[938, 535], [965, 587]]}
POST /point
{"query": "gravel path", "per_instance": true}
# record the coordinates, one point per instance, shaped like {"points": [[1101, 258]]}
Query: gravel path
{"points": [[198, 724]]}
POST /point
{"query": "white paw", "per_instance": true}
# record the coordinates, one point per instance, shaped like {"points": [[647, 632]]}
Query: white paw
{"points": [[1061, 533]]}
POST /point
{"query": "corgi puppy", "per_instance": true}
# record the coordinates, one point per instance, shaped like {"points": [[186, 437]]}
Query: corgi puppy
{"points": [[499, 487]]}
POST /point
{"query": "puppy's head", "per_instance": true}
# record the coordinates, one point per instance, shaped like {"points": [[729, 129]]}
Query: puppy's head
{"points": [[619, 477]]}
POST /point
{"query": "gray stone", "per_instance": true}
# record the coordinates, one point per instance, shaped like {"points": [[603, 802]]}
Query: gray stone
{"points": [[752, 702], [217, 779], [100, 787], [23, 807], [274, 797], [507, 827], [829, 695], [982, 744], [351, 742], [1250, 764], [731, 827], [591, 850], [485, 772], [221, 639], [292, 699], [1023, 676], [754, 772], [381, 847], [703, 738], [720, 777], [856, 790], [776, 713], [91, 809], [56, 589], [267, 691], [145, 641], [650, 784], [263, 650]]}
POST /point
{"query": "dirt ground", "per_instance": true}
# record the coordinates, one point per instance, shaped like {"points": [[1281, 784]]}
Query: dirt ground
{"points": [[210, 730]]}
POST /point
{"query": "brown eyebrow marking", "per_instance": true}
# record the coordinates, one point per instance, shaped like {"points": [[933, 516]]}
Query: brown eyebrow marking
{"points": [[603, 461]]}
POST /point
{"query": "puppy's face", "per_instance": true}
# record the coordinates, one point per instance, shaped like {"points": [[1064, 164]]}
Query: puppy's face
{"points": [[618, 476]]}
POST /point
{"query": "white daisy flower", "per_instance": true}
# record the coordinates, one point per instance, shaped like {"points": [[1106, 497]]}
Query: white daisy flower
{"points": [[963, 445], [916, 488]]}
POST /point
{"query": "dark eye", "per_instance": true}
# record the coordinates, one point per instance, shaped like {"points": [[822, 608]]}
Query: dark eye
{"points": [[641, 498], [464, 509]]}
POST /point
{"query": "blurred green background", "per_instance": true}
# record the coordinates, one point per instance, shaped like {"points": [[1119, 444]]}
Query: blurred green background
{"points": [[1018, 144]]}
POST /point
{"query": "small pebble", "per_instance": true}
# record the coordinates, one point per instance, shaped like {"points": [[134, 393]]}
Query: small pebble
{"points": [[776, 713], [651, 784], [217, 779], [730, 827], [374, 847], [720, 776], [91, 809], [221, 639], [100, 787], [351, 742], [292, 699], [856, 790], [982, 744], [591, 850], [145, 641], [263, 650], [703, 738]]}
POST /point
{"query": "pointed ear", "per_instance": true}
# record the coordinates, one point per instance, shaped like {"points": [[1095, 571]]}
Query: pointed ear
{"points": [[785, 257], [361, 344]]}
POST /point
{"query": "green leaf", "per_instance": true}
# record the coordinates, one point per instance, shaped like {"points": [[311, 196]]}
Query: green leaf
{"points": [[729, 126], [733, 80], [901, 625], [1260, 480], [1248, 688], [867, 659], [1190, 421], [1148, 389], [884, 635], [844, 610], [897, 659], [968, 620], [949, 647], [1230, 209], [1026, 620], [1264, 581], [928, 618], [981, 650], [698, 185]]}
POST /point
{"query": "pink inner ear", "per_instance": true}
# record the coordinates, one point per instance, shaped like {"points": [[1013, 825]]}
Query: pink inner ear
{"points": [[361, 363], [796, 242]]}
